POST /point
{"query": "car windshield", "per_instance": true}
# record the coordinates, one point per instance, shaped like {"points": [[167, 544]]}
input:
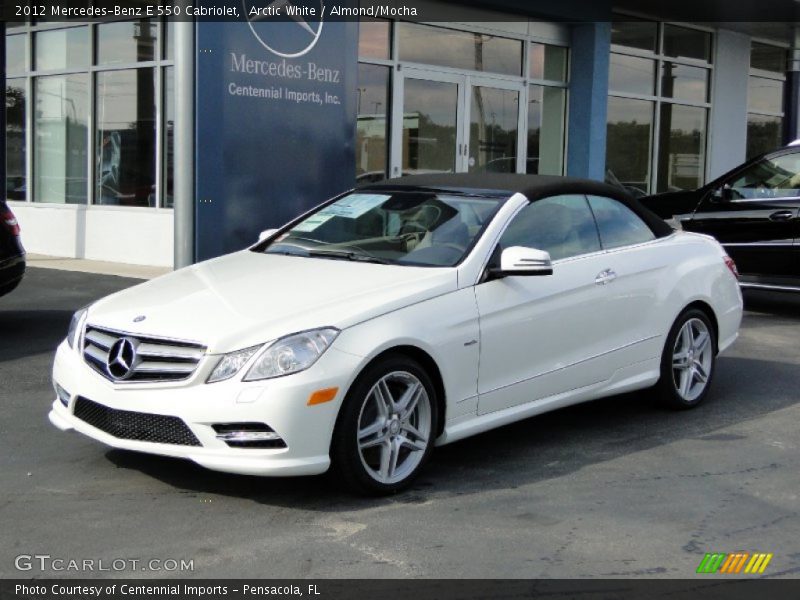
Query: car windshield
{"points": [[420, 228]]}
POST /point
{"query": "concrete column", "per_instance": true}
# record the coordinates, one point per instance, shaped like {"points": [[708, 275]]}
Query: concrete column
{"points": [[588, 100], [3, 104], [727, 128], [184, 200], [791, 124]]}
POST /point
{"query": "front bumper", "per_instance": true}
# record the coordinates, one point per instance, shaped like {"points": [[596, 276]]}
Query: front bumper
{"points": [[281, 403]]}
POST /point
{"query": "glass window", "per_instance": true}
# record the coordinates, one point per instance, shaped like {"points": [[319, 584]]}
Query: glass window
{"points": [[632, 74], [634, 34], [682, 42], [61, 136], [769, 178], [768, 58], [548, 62], [764, 95], [411, 228], [684, 82], [372, 133], [618, 224], [430, 110], [126, 42], [494, 121], [682, 146], [15, 54], [629, 137], [126, 137], [764, 133], [374, 38], [546, 111], [61, 48], [16, 159], [459, 49], [561, 225], [168, 167]]}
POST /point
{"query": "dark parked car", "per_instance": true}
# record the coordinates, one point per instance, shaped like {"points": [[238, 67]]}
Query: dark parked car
{"points": [[12, 255], [753, 211]]}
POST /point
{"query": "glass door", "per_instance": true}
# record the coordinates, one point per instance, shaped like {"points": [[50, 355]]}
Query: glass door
{"points": [[493, 127], [452, 123], [429, 122]]}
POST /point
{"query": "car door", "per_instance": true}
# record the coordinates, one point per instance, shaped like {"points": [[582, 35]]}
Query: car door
{"points": [[542, 335], [754, 215]]}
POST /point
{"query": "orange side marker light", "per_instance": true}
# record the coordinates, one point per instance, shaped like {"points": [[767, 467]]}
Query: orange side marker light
{"points": [[322, 396]]}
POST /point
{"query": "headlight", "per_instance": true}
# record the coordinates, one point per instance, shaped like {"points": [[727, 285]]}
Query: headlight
{"points": [[230, 364], [291, 354], [73, 333]]}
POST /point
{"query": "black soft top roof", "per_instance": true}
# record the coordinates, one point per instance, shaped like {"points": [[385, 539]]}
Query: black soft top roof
{"points": [[533, 187]]}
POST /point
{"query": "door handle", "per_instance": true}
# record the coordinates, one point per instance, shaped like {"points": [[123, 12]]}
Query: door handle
{"points": [[781, 215], [604, 277]]}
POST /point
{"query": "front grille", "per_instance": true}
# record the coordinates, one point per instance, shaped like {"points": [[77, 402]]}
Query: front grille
{"points": [[143, 358], [129, 425]]}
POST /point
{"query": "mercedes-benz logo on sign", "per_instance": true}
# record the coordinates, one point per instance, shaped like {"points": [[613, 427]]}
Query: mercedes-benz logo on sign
{"points": [[122, 358], [265, 21]]}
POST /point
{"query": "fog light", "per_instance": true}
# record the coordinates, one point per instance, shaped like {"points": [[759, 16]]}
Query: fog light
{"points": [[62, 394], [248, 435]]}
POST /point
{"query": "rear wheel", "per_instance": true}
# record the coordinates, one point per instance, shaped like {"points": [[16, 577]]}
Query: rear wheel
{"points": [[385, 430], [688, 361]]}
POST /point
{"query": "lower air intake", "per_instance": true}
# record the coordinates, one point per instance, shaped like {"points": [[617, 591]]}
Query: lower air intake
{"points": [[129, 425]]}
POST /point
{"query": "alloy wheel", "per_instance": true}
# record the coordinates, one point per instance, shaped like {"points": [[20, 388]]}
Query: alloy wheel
{"points": [[692, 359], [394, 427]]}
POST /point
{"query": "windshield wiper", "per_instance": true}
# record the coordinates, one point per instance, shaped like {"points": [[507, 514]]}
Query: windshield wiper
{"points": [[348, 255]]}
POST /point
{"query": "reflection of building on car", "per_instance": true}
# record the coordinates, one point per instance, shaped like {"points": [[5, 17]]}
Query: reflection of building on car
{"points": [[753, 211]]}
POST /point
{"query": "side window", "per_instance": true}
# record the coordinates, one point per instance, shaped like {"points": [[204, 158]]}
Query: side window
{"points": [[618, 224], [561, 225], [769, 178]]}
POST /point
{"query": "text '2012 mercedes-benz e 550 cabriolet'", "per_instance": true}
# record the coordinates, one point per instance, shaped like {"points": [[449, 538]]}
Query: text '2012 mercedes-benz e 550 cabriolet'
{"points": [[397, 317]]}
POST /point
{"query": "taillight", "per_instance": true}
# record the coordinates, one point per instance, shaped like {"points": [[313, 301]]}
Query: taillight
{"points": [[10, 221], [731, 265]]}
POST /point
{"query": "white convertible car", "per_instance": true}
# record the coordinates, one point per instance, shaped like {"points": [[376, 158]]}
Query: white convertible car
{"points": [[397, 317]]}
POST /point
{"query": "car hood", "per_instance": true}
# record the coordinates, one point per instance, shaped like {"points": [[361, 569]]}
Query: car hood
{"points": [[248, 298]]}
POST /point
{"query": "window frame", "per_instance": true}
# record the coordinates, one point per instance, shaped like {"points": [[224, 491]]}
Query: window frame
{"points": [[160, 63], [625, 208], [764, 74], [658, 99]]}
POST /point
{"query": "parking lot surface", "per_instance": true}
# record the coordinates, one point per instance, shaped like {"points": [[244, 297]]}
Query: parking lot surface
{"points": [[614, 488]]}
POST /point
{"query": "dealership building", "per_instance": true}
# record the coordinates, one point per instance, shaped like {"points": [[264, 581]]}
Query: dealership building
{"points": [[162, 142]]}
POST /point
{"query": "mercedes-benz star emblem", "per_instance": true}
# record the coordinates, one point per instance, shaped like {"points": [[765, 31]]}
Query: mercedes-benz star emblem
{"points": [[307, 34], [139, 319], [122, 358]]}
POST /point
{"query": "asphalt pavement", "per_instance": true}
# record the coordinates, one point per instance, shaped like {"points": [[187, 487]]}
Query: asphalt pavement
{"points": [[614, 488]]}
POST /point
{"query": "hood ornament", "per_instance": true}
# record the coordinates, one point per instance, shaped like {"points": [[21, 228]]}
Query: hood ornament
{"points": [[139, 319]]}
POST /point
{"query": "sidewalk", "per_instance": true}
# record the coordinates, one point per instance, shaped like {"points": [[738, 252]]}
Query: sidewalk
{"points": [[95, 266]]}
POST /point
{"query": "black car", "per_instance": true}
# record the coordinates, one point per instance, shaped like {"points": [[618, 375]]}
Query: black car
{"points": [[753, 212], [12, 254]]}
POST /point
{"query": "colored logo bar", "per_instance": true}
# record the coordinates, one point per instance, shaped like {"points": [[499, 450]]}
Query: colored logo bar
{"points": [[734, 563]]}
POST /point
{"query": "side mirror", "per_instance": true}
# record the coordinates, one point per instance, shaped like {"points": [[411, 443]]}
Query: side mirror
{"points": [[519, 260], [266, 234], [723, 194]]}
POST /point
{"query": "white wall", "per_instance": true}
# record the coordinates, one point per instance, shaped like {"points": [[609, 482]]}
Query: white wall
{"points": [[728, 125], [116, 234]]}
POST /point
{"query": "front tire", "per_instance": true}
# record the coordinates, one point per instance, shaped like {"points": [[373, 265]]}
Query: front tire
{"points": [[688, 361], [386, 427]]}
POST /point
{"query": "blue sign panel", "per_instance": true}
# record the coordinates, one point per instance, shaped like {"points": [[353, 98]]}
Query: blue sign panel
{"points": [[275, 114]]}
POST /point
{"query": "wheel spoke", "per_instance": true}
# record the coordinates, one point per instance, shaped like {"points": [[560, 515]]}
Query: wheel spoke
{"points": [[687, 377], [383, 399], [370, 429], [386, 456], [700, 372], [408, 402], [419, 444], [409, 428], [701, 342], [686, 337], [680, 360]]}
